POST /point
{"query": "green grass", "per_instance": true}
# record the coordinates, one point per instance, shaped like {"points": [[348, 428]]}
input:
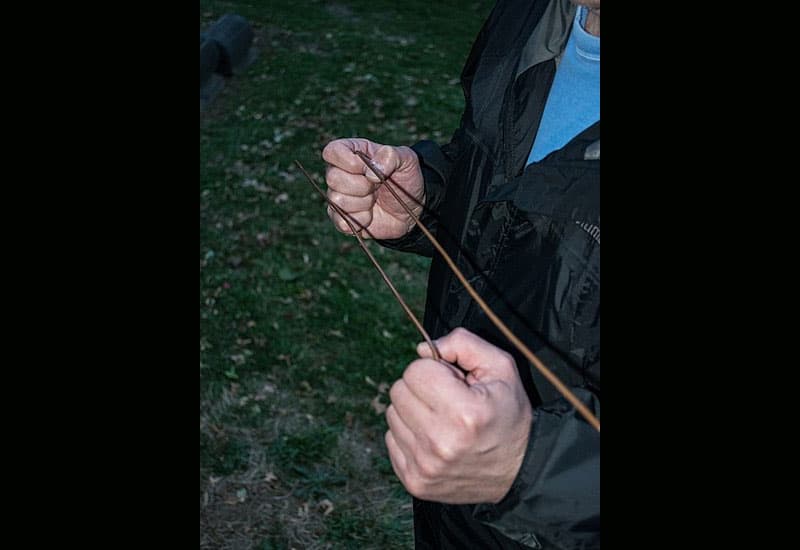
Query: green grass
{"points": [[297, 329]]}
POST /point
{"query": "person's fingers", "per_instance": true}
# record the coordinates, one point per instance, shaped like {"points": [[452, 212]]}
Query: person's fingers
{"points": [[414, 413], [472, 353], [396, 456], [360, 220], [348, 184], [402, 433], [340, 152], [351, 203], [434, 384], [386, 159]]}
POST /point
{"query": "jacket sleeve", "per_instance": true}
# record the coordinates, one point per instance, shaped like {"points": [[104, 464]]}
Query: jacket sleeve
{"points": [[437, 164], [555, 499]]}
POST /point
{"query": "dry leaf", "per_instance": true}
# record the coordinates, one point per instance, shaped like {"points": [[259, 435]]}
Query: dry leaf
{"points": [[383, 387], [270, 477], [377, 406], [283, 197], [326, 505]]}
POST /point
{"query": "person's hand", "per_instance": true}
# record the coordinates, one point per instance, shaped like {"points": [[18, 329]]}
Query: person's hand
{"points": [[453, 438], [353, 186]]}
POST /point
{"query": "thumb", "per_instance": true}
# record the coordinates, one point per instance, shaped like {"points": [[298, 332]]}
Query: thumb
{"points": [[473, 354], [386, 159]]}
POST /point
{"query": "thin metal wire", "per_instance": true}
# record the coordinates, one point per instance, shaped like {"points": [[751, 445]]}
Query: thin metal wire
{"points": [[529, 355], [347, 218]]}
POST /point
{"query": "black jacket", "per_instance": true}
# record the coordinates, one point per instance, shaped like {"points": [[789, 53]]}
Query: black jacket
{"points": [[528, 239]]}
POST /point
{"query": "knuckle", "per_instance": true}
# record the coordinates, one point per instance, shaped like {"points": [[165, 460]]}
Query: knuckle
{"points": [[414, 485], [427, 469], [471, 419], [414, 372], [342, 225], [507, 361], [444, 450], [332, 175], [337, 198], [396, 390]]}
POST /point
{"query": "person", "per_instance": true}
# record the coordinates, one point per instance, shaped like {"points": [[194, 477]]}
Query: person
{"points": [[493, 455]]}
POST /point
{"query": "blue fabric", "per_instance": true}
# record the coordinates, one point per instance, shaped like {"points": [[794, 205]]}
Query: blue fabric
{"points": [[574, 100]]}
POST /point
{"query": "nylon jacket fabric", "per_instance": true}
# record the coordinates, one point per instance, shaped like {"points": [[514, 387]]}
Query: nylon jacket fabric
{"points": [[528, 239]]}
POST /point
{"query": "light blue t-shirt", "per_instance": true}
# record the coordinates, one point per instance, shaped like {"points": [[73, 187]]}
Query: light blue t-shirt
{"points": [[574, 100]]}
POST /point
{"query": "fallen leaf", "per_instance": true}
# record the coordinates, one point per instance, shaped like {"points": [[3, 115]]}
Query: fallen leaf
{"points": [[270, 477], [377, 405], [383, 387], [283, 197], [326, 505], [306, 294], [231, 374]]}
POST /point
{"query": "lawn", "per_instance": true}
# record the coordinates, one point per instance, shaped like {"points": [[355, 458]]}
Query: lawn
{"points": [[300, 338]]}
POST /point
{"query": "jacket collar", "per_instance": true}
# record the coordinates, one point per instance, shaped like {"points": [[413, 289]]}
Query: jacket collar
{"points": [[550, 35]]}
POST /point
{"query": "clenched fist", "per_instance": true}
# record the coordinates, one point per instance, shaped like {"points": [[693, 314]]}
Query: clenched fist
{"points": [[453, 438], [353, 187]]}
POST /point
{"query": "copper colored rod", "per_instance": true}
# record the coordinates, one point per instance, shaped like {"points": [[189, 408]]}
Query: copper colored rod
{"points": [[529, 355], [345, 216]]}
